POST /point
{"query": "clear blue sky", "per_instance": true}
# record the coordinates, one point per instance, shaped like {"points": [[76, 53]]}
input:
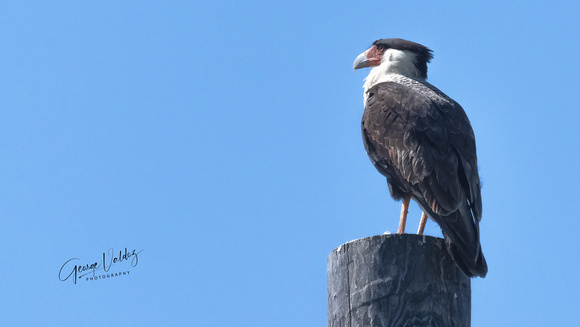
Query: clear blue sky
{"points": [[223, 140]]}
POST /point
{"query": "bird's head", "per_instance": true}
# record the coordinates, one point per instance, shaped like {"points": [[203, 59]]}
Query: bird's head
{"points": [[396, 56]]}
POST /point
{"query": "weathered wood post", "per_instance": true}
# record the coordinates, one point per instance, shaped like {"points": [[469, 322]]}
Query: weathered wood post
{"points": [[398, 280]]}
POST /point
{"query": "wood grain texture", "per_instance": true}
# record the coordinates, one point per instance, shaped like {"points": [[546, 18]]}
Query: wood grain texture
{"points": [[396, 280]]}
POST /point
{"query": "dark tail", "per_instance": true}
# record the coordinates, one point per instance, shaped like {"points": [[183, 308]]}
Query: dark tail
{"points": [[470, 266], [461, 232]]}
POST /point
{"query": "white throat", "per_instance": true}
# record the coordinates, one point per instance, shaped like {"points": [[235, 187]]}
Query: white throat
{"points": [[395, 62]]}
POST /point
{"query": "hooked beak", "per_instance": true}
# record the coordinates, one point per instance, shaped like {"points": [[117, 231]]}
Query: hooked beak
{"points": [[371, 57], [360, 61]]}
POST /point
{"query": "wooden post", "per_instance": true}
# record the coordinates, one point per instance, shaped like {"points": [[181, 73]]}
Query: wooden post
{"points": [[396, 280]]}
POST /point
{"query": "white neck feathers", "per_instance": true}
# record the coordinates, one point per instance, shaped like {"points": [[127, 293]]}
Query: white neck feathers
{"points": [[401, 62]]}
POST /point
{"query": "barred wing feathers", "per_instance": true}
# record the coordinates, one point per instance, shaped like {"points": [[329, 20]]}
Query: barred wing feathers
{"points": [[425, 146]]}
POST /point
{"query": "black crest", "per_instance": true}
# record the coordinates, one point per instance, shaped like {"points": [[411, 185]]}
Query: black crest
{"points": [[424, 54]]}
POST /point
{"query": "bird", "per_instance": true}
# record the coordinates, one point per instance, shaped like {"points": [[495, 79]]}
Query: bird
{"points": [[422, 141]]}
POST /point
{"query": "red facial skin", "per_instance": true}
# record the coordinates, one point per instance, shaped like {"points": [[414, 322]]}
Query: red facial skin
{"points": [[374, 56]]}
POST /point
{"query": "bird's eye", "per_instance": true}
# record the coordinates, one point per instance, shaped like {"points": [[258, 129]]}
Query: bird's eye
{"points": [[380, 47]]}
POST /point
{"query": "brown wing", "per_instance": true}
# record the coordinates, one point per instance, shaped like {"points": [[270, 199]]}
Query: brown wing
{"points": [[426, 149]]}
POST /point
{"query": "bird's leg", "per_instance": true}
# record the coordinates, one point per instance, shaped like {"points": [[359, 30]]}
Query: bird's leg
{"points": [[404, 211], [422, 223]]}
